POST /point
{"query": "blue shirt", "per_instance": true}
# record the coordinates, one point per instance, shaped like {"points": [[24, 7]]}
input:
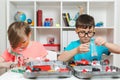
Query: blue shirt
{"points": [[87, 55]]}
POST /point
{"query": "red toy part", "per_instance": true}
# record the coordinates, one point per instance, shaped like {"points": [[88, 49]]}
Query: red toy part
{"points": [[94, 62], [106, 61], [63, 70], [108, 69], [46, 60], [82, 62], [43, 67], [84, 71], [28, 68]]}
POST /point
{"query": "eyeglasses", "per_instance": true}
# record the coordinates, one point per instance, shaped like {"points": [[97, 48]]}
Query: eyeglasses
{"points": [[83, 34]]}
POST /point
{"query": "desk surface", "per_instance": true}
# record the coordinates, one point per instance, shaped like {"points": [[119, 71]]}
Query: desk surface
{"points": [[17, 76]]}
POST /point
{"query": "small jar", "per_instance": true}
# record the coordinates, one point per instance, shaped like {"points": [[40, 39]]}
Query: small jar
{"points": [[47, 22], [51, 21]]}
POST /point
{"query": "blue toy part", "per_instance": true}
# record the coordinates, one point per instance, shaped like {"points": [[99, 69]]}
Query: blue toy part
{"points": [[29, 21], [99, 24]]}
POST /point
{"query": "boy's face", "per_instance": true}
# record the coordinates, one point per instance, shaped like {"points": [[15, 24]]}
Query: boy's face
{"points": [[23, 44], [85, 34]]}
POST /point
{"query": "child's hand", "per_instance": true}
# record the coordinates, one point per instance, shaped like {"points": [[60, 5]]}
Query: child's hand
{"points": [[100, 41], [83, 48], [1, 59], [8, 64], [27, 60]]}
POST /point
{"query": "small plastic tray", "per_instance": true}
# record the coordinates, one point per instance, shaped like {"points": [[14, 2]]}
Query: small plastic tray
{"points": [[114, 73], [54, 72]]}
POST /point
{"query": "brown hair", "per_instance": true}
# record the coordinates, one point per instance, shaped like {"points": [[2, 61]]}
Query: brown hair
{"points": [[16, 33], [85, 21]]}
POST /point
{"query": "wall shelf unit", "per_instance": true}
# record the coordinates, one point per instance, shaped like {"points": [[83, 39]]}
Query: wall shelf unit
{"points": [[102, 10]]}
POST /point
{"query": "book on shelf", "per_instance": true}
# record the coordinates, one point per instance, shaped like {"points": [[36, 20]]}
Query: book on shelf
{"points": [[66, 18]]}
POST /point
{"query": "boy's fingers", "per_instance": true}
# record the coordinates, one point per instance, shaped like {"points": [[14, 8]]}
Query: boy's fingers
{"points": [[87, 44], [12, 65]]}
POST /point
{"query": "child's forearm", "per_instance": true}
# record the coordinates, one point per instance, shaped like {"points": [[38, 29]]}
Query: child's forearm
{"points": [[2, 65], [7, 64], [112, 47], [67, 55]]}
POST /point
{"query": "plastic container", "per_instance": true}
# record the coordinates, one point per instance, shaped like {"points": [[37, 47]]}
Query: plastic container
{"points": [[93, 49], [47, 22]]}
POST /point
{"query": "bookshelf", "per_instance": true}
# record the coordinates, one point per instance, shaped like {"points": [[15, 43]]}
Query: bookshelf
{"points": [[102, 10]]}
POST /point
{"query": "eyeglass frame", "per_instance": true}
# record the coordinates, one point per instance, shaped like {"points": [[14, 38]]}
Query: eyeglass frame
{"points": [[86, 33]]}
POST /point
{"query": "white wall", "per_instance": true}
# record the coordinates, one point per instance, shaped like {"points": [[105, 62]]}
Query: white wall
{"points": [[2, 25]]}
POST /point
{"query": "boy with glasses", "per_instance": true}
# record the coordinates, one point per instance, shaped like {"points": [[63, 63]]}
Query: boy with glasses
{"points": [[81, 49]]}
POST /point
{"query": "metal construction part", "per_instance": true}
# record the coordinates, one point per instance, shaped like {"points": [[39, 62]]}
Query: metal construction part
{"points": [[96, 71], [50, 69]]}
